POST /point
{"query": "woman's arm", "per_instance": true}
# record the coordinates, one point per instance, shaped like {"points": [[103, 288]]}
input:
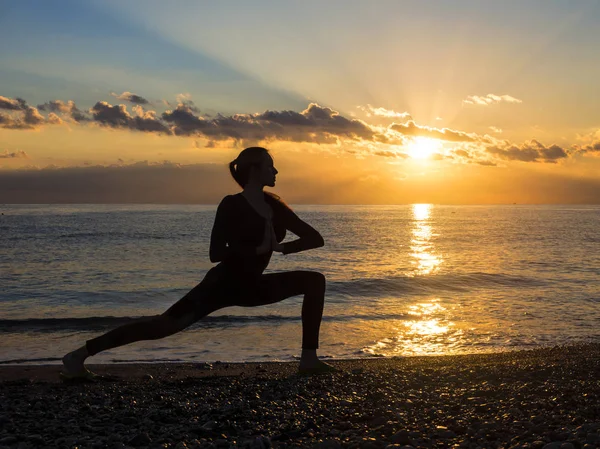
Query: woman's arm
{"points": [[309, 237]]}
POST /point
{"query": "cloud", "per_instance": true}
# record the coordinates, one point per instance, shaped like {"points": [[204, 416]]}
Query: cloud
{"points": [[593, 147], [490, 99], [22, 115], [382, 112], [130, 97], [17, 104], [532, 151], [315, 124], [386, 153], [9, 122], [118, 117], [67, 108], [495, 130], [32, 116], [19, 154], [412, 129]]}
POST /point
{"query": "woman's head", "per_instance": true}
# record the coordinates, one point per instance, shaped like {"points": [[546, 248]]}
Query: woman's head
{"points": [[254, 164]]}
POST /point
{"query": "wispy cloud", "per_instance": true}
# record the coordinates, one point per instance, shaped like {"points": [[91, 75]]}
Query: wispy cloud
{"points": [[19, 154], [382, 112], [532, 151], [593, 148], [412, 129], [130, 97], [490, 99]]}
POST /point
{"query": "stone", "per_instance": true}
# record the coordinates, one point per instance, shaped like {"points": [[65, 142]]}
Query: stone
{"points": [[141, 439], [209, 425], [554, 445], [328, 444], [401, 437]]}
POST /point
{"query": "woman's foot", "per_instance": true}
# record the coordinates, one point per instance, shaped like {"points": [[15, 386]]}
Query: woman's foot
{"points": [[73, 363], [310, 363], [317, 367]]}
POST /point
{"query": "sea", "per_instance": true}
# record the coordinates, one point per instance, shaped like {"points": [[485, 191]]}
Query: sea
{"points": [[402, 280]]}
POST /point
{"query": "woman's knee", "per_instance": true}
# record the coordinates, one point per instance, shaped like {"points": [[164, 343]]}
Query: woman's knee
{"points": [[316, 281]]}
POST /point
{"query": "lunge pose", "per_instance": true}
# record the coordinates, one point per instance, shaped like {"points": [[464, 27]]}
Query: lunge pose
{"points": [[249, 226]]}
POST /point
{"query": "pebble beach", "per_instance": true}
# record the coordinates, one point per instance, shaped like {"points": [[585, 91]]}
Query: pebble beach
{"points": [[545, 398]]}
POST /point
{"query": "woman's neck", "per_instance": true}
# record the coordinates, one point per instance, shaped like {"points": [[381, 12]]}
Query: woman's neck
{"points": [[252, 190]]}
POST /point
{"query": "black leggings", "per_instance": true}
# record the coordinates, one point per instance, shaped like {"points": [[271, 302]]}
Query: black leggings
{"points": [[214, 294]]}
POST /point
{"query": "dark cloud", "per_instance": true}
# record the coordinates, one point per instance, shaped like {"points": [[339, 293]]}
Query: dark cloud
{"points": [[532, 151], [135, 183], [130, 97], [315, 124], [170, 183], [412, 129], [32, 116], [23, 117], [8, 122], [19, 154], [69, 108], [17, 104], [118, 117], [590, 148], [184, 122]]}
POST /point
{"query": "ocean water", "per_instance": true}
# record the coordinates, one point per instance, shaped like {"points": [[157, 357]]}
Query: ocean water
{"points": [[401, 280]]}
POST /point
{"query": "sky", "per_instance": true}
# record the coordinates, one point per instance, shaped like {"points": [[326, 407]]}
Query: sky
{"points": [[383, 102]]}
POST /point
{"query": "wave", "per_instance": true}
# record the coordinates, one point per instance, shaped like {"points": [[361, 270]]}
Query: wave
{"points": [[401, 285], [108, 322], [111, 235]]}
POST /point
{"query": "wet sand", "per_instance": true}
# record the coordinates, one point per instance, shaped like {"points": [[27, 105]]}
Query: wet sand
{"points": [[544, 398]]}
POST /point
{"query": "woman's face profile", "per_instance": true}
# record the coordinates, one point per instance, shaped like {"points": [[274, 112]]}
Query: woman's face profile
{"points": [[267, 171]]}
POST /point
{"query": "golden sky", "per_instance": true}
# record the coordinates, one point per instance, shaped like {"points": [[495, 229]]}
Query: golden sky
{"points": [[388, 102]]}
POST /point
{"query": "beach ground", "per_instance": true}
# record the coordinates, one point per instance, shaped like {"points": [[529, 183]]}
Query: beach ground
{"points": [[543, 398]]}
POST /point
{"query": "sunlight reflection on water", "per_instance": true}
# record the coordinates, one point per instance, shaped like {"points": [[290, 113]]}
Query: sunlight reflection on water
{"points": [[429, 333], [426, 260]]}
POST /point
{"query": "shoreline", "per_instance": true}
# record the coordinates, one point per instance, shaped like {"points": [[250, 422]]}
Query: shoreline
{"points": [[544, 398], [49, 372]]}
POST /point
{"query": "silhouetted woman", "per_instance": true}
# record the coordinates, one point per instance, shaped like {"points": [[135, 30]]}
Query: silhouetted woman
{"points": [[248, 228]]}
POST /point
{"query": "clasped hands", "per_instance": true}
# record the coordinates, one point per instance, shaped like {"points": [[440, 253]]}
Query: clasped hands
{"points": [[269, 242]]}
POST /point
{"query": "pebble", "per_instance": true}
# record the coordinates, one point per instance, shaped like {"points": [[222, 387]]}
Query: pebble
{"points": [[510, 400], [141, 439]]}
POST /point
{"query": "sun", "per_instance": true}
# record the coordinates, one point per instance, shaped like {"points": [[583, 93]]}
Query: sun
{"points": [[422, 147]]}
